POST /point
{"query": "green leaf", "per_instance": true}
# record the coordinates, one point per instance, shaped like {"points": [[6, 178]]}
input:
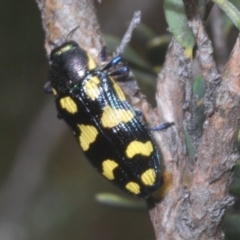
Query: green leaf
{"points": [[159, 41], [230, 10], [147, 80], [145, 31], [114, 200], [178, 25], [198, 86]]}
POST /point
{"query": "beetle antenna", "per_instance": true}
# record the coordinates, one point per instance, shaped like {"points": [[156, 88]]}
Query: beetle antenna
{"points": [[69, 36], [52, 43]]}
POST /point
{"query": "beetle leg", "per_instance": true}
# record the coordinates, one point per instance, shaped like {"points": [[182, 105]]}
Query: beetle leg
{"points": [[47, 88], [162, 126]]}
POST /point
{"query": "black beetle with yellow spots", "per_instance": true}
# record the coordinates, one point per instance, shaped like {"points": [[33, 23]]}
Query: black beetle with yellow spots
{"points": [[107, 128]]}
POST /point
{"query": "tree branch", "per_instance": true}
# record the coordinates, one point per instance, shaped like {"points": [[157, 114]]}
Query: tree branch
{"points": [[60, 17], [170, 99], [195, 206]]}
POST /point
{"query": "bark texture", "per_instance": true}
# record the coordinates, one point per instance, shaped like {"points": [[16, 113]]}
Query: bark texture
{"points": [[195, 206], [60, 17]]}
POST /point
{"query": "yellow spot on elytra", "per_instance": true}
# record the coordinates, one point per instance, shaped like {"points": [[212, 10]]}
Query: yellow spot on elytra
{"points": [[91, 62], [92, 88], [136, 147], [68, 104], [113, 117], [133, 187], [149, 177], [88, 135], [108, 167], [118, 91], [54, 91]]}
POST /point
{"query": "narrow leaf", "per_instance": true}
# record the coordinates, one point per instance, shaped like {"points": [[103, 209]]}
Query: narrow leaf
{"points": [[232, 12], [178, 25]]}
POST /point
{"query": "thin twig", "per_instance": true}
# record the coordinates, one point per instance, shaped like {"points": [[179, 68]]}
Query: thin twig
{"points": [[127, 36]]}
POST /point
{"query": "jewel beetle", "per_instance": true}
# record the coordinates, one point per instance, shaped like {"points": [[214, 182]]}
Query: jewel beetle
{"points": [[107, 128]]}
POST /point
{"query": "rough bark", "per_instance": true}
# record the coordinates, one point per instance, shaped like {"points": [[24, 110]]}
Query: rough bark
{"points": [[60, 17], [195, 206]]}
